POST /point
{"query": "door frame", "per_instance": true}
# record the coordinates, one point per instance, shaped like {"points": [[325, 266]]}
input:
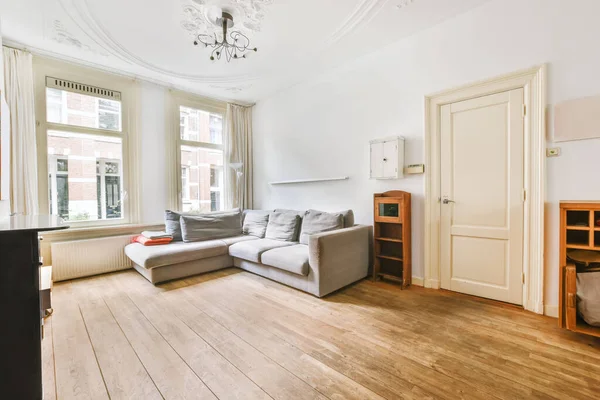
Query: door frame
{"points": [[533, 82]]}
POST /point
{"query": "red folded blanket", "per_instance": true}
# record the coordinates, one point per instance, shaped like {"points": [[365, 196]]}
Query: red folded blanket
{"points": [[151, 242]]}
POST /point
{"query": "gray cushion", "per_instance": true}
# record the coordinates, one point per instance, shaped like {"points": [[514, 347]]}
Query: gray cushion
{"points": [[236, 239], [588, 297], [317, 222], [251, 250], [290, 258], [348, 218], [299, 214], [283, 226], [173, 225], [210, 226], [255, 223], [174, 253]]}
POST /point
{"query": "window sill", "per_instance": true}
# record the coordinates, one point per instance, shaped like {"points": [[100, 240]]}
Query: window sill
{"points": [[90, 232]]}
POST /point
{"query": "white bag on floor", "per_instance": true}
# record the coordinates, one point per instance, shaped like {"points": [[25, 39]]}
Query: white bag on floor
{"points": [[588, 297]]}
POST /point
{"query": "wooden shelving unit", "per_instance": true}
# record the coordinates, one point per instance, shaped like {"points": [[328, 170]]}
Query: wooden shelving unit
{"points": [[392, 247], [579, 230]]}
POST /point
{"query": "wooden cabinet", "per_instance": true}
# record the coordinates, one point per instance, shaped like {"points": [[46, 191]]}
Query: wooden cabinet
{"points": [[387, 158], [392, 235], [579, 230]]}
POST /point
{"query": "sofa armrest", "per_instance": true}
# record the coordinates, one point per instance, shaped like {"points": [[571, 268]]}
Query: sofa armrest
{"points": [[339, 258]]}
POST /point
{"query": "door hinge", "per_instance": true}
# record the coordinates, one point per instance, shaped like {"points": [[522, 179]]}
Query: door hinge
{"points": [[523, 278], [524, 195], [524, 110]]}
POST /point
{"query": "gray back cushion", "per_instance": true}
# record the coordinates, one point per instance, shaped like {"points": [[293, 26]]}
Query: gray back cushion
{"points": [[196, 228], [173, 225], [318, 221], [255, 223], [588, 297], [348, 218], [283, 226]]}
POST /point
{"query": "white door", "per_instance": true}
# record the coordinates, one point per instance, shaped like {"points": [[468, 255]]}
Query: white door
{"points": [[482, 196]]}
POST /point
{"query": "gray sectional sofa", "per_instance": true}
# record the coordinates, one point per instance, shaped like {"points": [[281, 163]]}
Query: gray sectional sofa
{"points": [[312, 251]]}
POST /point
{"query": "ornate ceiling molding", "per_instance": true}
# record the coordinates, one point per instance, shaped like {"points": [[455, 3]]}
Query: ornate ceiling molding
{"points": [[232, 89], [88, 23], [62, 35], [404, 3], [254, 12], [362, 14], [247, 14]]}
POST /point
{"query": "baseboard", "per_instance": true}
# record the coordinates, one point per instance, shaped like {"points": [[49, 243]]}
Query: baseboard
{"points": [[432, 283], [551, 311], [417, 281]]}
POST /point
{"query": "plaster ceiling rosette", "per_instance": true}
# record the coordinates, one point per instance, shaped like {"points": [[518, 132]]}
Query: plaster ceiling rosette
{"points": [[248, 15]]}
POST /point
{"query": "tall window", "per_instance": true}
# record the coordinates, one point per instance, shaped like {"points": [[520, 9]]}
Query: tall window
{"points": [[201, 155], [85, 152]]}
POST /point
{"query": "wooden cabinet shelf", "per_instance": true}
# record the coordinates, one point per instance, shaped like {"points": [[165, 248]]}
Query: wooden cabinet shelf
{"points": [[385, 239], [389, 257], [392, 247], [579, 230]]}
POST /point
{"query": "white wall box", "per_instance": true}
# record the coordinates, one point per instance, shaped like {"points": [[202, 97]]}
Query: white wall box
{"points": [[387, 158]]}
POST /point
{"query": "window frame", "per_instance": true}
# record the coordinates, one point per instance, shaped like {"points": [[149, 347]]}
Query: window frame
{"points": [[178, 100], [44, 67]]}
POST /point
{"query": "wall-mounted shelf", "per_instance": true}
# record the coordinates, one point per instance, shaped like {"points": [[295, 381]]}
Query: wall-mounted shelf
{"points": [[290, 182]]}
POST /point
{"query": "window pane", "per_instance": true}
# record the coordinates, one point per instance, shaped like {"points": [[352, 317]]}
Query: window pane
{"points": [[85, 182], [200, 126], [199, 181], [69, 108]]}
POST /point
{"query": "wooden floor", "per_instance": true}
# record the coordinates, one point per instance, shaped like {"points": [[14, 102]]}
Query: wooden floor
{"points": [[234, 335]]}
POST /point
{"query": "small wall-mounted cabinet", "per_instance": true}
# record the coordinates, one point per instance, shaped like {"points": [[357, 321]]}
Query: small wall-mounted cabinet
{"points": [[387, 158]]}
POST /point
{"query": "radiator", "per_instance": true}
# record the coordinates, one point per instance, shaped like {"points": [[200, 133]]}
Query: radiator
{"points": [[79, 258]]}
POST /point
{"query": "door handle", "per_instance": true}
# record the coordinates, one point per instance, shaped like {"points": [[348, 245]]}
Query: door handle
{"points": [[446, 201]]}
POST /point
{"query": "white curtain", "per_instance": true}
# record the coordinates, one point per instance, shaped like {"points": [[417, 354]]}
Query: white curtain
{"points": [[19, 94], [238, 156]]}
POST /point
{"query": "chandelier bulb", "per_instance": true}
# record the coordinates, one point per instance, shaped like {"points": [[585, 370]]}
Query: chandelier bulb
{"points": [[255, 49], [195, 43], [212, 58]]}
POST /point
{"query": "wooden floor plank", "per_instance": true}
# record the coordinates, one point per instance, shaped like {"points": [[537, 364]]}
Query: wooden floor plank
{"points": [[278, 382], [222, 377], [48, 374], [231, 334], [464, 345], [320, 339], [78, 375], [464, 353], [124, 374], [171, 375], [326, 380]]}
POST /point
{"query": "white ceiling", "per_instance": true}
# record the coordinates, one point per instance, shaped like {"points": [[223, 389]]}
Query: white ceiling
{"points": [[153, 39]]}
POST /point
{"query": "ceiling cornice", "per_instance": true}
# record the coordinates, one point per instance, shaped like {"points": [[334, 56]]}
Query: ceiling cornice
{"points": [[362, 14], [142, 78]]}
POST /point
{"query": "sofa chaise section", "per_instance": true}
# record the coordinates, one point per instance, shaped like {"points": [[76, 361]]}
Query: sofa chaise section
{"points": [[178, 259]]}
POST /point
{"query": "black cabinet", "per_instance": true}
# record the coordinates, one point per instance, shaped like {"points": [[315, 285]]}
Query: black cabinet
{"points": [[20, 335]]}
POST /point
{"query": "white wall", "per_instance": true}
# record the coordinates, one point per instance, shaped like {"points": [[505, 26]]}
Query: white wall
{"points": [[322, 127], [153, 153]]}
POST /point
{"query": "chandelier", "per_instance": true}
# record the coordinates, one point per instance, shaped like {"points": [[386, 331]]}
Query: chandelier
{"points": [[234, 44]]}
